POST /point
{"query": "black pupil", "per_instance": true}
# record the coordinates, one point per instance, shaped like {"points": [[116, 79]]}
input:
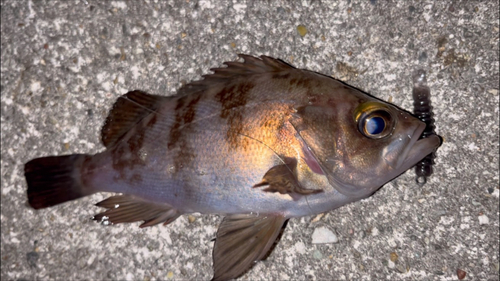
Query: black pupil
{"points": [[375, 125]]}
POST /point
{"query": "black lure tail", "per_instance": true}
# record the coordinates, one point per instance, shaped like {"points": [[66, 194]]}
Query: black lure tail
{"points": [[422, 109], [54, 180]]}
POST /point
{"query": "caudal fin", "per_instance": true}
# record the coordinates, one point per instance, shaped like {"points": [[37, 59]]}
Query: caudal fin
{"points": [[54, 180]]}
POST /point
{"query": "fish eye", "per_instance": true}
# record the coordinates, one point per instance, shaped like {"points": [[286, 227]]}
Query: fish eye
{"points": [[374, 120], [374, 125]]}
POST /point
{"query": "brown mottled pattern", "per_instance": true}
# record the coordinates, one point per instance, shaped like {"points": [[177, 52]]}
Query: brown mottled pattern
{"points": [[185, 113], [233, 99], [127, 155], [300, 82], [152, 121]]}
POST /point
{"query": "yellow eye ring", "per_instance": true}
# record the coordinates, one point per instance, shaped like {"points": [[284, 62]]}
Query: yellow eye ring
{"points": [[374, 120]]}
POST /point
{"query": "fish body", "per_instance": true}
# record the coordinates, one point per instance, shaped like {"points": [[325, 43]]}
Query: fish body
{"points": [[258, 141]]}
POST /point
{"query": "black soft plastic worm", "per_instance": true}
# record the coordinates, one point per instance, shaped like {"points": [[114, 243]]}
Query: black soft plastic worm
{"points": [[422, 109]]}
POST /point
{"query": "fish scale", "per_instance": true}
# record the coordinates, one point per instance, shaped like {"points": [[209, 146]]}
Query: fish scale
{"points": [[259, 142]]}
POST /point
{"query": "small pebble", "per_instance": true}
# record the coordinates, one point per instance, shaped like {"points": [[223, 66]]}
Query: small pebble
{"points": [[493, 91], [32, 258], [394, 256], [302, 30], [322, 235], [356, 254], [475, 203], [461, 274], [191, 218], [318, 217], [401, 268], [440, 213], [317, 255], [483, 219]]}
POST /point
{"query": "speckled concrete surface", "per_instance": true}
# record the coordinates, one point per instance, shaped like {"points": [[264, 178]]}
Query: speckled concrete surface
{"points": [[63, 63]]}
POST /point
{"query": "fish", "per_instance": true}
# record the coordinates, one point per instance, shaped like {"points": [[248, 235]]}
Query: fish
{"points": [[422, 109], [257, 141]]}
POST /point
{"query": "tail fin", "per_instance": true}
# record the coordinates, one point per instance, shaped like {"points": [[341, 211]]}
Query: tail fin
{"points": [[54, 180]]}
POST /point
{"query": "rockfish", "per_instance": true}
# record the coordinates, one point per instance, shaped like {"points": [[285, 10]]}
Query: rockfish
{"points": [[258, 141]]}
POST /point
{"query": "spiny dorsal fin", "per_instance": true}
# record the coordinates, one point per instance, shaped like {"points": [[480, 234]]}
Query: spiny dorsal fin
{"points": [[127, 111], [234, 70], [128, 208]]}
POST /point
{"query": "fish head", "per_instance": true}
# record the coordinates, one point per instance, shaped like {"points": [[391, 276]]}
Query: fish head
{"points": [[360, 143]]}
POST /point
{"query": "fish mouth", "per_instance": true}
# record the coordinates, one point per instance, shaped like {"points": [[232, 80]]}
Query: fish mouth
{"points": [[418, 148]]}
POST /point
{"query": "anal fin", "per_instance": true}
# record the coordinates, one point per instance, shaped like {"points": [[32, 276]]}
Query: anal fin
{"points": [[282, 179], [129, 208], [241, 240]]}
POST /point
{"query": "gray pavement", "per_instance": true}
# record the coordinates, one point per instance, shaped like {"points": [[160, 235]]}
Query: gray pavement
{"points": [[63, 64]]}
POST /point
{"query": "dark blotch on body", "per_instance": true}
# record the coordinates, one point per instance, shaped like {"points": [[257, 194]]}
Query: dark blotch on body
{"points": [[185, 113], [300, 82], [233, 100]]}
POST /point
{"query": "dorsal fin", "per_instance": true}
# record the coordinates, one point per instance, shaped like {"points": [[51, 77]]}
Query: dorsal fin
{"points": [[127, 111], [234, 70]]}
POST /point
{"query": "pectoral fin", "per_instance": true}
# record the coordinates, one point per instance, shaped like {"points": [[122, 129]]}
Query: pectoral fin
{"points": [[128, 208], [241, 240], [282, 179]]}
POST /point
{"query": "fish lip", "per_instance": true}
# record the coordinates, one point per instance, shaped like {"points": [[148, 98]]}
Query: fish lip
{"points": [[418, 148]]}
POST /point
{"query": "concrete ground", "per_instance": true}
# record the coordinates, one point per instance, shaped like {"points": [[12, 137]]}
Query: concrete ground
{"points": [[63, 64]]}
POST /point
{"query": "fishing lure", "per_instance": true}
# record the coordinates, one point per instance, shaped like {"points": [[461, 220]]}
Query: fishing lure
{"points": [[422, 109]]}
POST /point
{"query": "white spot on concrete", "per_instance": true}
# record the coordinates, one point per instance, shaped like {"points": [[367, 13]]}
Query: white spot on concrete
{"points": [[493, 91], [107, 86], [240, 7], [496, 193], [323, 235], [35, 86], [483, 219], [472, 146], [119, 4], [204, 4], [300, 248], [390, 77], [447, 220], [135, 72], [101, 77]]}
